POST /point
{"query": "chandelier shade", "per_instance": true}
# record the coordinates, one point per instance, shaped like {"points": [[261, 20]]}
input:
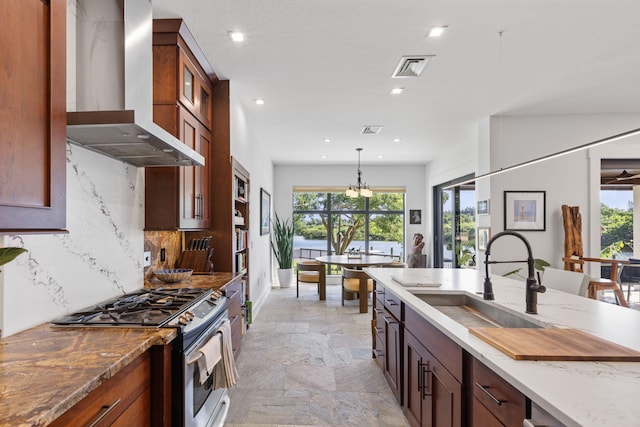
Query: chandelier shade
{"points": [[360, 189]]}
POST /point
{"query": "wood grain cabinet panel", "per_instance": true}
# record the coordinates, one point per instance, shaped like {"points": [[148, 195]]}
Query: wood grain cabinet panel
{"points": [[180, 197], [33, 116], [125, 395], [500, 398]]}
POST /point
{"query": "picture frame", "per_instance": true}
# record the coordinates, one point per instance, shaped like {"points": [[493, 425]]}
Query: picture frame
{"points": [[483, 207], [415, 216], [525, 210], [265, 212], [483, 235]]}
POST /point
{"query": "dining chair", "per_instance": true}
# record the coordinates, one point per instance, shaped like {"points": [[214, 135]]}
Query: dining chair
{"points": [[599, 283], [312, 272], [353, 281], [566, 281], [630, 275]]}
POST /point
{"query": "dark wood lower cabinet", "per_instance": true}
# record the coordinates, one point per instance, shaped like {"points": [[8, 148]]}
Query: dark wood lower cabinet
{"points": [[388, 347], [234, 292], [500, 399], [437, 383], [127, 395], [433, 397]]}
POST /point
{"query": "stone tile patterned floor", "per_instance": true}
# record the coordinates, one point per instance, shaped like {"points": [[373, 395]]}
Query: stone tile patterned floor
{"points": [[306, 362]]}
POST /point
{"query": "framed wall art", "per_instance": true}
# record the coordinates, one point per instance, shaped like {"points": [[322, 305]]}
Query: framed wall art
{"points": [[525, 210], [415, 216], [265, 210], [483, 235], [483, 207]]}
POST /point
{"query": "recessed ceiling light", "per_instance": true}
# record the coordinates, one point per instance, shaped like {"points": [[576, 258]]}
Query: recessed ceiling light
{"points": [[259, 101], [397, 139], [436, 31], [397, 90], [381, 156], [323, 157], [327, 140], [236, 36]]}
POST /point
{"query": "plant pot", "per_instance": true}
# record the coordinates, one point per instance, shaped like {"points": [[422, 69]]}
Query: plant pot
{"points": [[285, 277]]}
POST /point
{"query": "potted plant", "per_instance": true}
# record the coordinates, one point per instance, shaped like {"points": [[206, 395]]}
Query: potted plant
{"points": [[282, 246], [8, 254]]}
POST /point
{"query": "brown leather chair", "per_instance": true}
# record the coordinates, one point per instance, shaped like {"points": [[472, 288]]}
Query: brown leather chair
{"points": [[357, 283], [312, 272]]}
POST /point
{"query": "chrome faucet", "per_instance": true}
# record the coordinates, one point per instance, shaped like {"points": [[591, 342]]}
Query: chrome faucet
{"points": [[532, 286]]}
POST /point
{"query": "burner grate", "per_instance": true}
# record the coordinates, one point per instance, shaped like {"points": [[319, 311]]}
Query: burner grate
{"points": [[146, 307]]}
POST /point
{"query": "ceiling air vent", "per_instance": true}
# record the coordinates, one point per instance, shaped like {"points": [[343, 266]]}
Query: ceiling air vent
{"points": [[411, 66], [371, 130]]}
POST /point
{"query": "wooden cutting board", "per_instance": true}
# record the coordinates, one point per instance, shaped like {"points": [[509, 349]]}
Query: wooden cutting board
{"points": [[554, 344]]}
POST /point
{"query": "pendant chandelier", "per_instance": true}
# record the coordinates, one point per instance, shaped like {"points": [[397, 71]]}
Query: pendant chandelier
{"points": [[360, 189]]}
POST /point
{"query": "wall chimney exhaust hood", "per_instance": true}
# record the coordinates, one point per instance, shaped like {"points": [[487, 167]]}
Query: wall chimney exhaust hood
{"points": [[114, 87]]}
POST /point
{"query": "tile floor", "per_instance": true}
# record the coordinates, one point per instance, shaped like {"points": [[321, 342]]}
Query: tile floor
{"points": [[306, 362]]}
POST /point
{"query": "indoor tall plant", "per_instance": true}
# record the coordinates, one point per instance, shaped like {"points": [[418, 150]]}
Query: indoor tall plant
{"points": [[282, 246], [8, 254]]}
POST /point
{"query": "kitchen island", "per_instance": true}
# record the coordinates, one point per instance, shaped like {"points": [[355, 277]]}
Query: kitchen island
{"points": [[46, 370], [575, 393]]}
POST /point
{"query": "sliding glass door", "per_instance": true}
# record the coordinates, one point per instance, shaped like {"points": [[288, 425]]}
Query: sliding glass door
{"points": [[454, 224]]}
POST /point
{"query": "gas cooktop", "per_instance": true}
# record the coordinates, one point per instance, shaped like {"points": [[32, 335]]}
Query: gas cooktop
{"points": [[145, 307]]}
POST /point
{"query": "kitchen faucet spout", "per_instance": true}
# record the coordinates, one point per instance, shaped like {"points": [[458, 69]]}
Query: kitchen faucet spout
{"points": [[532, 286]]}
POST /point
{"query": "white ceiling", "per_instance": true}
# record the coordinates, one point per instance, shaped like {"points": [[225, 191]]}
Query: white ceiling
{"points": [[324, 66]]}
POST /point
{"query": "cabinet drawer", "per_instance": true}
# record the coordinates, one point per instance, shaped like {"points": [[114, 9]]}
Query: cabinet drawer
{"points": [[379, 293], [392, 304], [482, 417], [233, 292], [505, 402], [114, 397], [442, 347]]}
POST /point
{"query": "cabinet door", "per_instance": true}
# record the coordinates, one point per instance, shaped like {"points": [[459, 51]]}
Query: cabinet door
{"points": [[415, 356], [433, 397], [33, 115], [194, 180], [445, 393], [392, 353]]}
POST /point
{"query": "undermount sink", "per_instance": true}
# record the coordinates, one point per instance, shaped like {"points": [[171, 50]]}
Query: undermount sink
{"points": [[476, 313]]}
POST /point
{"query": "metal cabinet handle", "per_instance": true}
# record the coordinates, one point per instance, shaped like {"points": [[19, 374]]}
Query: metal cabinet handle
{"points": [[379, 353], [378, 292], [423, 368], [391, 302], [491, 396], [389, 320], [377, 311], [106, 409]]}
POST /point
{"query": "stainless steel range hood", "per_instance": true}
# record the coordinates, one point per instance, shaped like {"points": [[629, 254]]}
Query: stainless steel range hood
{"points": [[114, 87]]}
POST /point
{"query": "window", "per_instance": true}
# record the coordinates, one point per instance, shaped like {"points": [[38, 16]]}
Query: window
{"points": [[332, 223], [454, 225]]}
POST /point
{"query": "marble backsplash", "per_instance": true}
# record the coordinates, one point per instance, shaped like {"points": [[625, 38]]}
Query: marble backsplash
{"points": [[100, 257]]}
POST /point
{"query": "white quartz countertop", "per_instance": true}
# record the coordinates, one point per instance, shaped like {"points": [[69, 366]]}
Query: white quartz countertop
{"points": [[576, 393]]}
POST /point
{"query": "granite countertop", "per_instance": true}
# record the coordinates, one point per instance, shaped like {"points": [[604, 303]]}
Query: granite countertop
{"points": [[576, 393], [45, 370]]}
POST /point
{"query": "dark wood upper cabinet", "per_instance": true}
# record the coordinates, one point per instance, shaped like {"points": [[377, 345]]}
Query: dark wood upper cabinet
{"points": [[180, 197], [33, 116]]}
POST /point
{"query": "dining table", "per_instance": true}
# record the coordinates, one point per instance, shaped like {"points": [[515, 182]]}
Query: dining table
{"points": [[357, 262]]}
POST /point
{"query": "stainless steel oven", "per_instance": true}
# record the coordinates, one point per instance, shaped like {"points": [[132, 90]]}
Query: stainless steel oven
{"points": [[204, 405], [196, 314]]}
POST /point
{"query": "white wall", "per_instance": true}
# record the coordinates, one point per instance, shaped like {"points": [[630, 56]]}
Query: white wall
{"points": [[99, 258], [412, 177], [571, 179], [247, 148]]}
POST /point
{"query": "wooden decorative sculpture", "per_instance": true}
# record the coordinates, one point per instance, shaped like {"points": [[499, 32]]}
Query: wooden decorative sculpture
{"points": [[572, 221]]}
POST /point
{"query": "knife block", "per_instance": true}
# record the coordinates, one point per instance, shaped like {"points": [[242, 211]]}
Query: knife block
{"points": [[199, 260]]}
